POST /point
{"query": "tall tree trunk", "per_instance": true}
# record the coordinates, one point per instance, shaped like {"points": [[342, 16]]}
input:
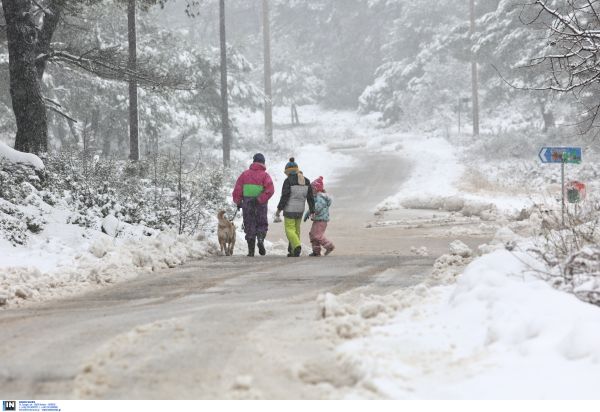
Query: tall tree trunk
{"points": [[295, 119], [474, 73], [106, 143], [152, 140], [60, 133], [75, 135], [134, 144], [267, 63], [45, 34], [25, 88], [95, 125], [224, 103], [548, 117]]}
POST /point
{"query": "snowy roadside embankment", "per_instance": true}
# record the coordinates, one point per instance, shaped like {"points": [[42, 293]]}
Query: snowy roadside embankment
{"points": [[99, 263], [44, 255], [500, 333]]}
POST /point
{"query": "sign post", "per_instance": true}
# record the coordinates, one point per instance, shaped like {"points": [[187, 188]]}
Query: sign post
{"points": [[561, 155]]}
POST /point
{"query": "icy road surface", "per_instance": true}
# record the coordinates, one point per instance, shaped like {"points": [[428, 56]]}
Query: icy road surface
{"points": [[222, 327]]}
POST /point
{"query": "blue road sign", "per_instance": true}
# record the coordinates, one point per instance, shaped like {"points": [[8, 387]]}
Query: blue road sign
{"points": [[560, 155]]}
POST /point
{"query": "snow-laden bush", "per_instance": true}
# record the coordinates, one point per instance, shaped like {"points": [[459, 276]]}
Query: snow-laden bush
{"points": [[167, 190], [572, 253], [19, 185]]}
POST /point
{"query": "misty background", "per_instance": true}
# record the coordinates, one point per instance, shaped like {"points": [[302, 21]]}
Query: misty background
{"points": [[409, 61]]}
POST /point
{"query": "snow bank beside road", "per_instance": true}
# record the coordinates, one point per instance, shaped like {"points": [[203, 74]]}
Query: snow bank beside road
{"points": [[435, 168], [498, 334], [98, 264], [435, 181]]}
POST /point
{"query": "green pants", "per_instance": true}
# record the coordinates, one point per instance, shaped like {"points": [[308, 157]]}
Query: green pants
{"points": [[292, 231]]}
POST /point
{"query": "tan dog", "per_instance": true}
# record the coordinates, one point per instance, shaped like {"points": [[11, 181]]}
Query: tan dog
{"points": [[226, 233]]}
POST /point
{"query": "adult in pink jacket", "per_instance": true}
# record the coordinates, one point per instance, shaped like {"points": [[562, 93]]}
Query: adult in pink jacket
{"points": [[252, 192]]}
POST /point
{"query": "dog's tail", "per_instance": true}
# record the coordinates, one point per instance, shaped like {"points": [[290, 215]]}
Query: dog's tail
{"points": [[222, 221]]}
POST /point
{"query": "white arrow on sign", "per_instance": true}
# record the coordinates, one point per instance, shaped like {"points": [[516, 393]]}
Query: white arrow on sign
{"points": [[542, 154]]}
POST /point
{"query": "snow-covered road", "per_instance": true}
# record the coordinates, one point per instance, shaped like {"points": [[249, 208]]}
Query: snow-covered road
{"points": [[189, 332]]}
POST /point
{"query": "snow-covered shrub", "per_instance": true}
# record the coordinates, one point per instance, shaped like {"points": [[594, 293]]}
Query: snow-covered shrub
{"points": [[572, 253], [13, 230], [19, 184], [18, 181], [166, 190], [169, 190], [14, 223]]}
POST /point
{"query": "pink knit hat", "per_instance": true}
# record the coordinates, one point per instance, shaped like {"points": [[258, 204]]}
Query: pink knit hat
{"points": [[318, 183]]}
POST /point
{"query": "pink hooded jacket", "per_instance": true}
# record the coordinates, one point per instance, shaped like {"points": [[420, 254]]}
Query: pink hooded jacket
{"points": [[256, 175]]}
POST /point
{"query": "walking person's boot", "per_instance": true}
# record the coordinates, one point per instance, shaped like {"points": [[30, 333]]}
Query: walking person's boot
{"points": [[251, 244], [293, 254], [260, 239]]}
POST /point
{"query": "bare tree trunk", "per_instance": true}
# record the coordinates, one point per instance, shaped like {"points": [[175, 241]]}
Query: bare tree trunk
{"points": [[152, 132], [25, 77], [224, 103], [134, 144], [474, 73], [95, 126], [106, 143], [60, 132], [548, 117], [85, 139], [74, 133], [295, 114], [267, 63]]}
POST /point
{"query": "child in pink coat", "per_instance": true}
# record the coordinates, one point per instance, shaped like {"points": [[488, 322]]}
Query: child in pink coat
{"points": [[317, 233]]}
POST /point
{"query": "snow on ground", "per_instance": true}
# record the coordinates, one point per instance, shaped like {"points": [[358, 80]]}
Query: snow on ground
{"points": [[495, 331], [66, 259], [500, 333], [438, 175]]}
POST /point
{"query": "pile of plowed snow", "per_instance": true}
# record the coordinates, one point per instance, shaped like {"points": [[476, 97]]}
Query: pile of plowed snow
{"points": [[499, 333], [100, 263]]}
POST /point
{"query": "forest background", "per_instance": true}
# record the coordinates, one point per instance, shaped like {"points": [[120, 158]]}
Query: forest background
{"points": [[409, 60]]}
